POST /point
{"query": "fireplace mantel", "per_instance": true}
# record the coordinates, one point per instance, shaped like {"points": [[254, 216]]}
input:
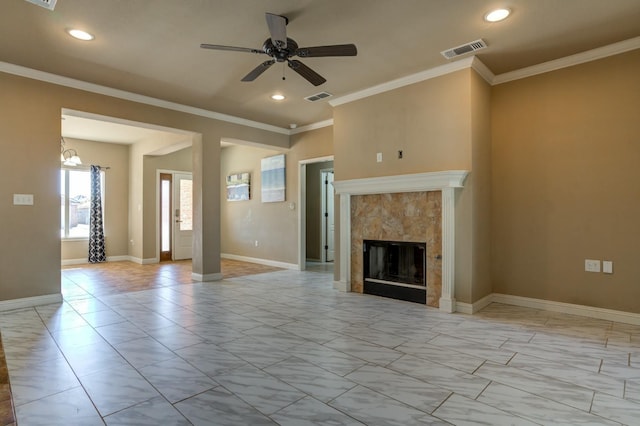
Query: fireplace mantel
{"points": [[445, 181]]}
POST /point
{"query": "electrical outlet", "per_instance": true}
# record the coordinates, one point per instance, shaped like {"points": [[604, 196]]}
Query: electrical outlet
{"points": [[256, 243], [591, 265], [379, 157]]}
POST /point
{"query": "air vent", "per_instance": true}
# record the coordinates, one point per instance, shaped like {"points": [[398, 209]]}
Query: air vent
{"points": [[47, 4], [318, 96], [464, 49]]}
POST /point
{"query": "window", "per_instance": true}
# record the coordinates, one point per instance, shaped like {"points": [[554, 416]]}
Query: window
{"points": [[75, 202]]}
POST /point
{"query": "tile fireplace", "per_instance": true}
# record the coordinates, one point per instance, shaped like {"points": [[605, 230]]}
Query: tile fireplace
{"points": [[357, 195]]}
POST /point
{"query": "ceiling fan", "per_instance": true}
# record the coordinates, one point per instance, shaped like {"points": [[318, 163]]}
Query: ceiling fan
{"points": [[281, 48]]}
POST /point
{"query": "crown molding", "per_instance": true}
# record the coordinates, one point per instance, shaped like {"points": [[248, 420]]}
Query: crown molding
{"points": [[475, 63], [404, 81], [134, 97], [312, 126], [482, 70], [569, 61], [469, 62]]}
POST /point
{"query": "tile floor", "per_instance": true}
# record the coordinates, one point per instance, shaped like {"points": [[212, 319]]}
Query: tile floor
{"points": [[285, 348]]}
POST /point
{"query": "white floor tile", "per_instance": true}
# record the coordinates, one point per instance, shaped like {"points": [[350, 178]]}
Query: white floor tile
{"points": [[286, 348]]}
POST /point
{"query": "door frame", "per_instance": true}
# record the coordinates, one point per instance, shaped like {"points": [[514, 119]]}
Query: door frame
{"points": [[302, 207], [323, 209], [167, 177], [157, 203]]}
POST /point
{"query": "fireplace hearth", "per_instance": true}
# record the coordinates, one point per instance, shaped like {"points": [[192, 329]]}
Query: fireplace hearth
{"points": [[395, 269]]}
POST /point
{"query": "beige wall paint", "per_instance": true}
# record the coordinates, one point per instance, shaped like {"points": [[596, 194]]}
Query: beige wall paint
{"points": [[562, 163], [432, 122], [480, 179], [30, 132], [273, 225], [141, 193], [566, 184], [177, 161], [116, 197]]}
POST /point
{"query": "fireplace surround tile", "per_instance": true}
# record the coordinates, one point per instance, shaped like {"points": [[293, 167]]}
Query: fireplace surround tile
{"points": [[405, 216]]}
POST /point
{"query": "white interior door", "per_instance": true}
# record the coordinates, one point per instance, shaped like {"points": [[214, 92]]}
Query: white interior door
{"points": [[183, 216], [328, 223]]}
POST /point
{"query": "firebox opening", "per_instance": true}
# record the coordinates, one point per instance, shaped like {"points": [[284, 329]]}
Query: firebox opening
{"points": [[395, 269]]}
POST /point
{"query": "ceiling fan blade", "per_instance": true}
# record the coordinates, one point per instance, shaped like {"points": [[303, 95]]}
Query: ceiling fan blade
{"points": [[255, 73], [335, 50], [310, 75], [278, 29], [230, 48]]}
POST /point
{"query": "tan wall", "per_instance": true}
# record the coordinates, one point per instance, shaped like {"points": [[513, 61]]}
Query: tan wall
{"points": [[429, 121], [141, 197], [116, 197], [480, 181], [566, 184], [432, 122], [30, 139], [181, 161], [313, 209], [273, 225]]}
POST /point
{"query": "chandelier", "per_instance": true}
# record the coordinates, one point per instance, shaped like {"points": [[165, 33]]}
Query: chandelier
{"points": [[68, 157]]}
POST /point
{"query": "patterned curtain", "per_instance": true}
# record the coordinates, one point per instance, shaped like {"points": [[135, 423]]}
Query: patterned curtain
{"points": [[96, 228]]}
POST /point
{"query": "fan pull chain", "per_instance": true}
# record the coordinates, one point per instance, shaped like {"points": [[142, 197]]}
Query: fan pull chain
{"points": [[283, 68]]}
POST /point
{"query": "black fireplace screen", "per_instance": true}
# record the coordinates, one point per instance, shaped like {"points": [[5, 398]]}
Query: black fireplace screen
{"points": [[395, 262]]}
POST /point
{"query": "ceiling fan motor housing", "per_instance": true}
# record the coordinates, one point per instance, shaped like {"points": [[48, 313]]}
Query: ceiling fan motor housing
{"points": [[280, 54]]}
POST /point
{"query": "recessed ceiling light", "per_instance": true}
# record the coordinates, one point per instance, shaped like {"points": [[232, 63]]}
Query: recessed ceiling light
{"points": [[277, 97], [80, 35], [497, 15]]}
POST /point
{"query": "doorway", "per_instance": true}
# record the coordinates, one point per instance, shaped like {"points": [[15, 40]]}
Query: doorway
{"points": [[311, 211], [175, 221]]}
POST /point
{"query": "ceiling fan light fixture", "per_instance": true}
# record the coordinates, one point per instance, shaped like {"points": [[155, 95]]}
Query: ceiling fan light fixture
{"points": [[80, 34], [497, 15], [277, 97]]}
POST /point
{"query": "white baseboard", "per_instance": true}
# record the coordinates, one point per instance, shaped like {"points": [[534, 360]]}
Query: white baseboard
{"points": [[267, 262], [67, 262], [340, 286], [552, 306], [85, 261], [29, 302], [206, 277], [140, 261], [472, 308]]}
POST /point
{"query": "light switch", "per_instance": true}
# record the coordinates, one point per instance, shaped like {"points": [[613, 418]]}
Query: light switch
{"points": [[22, 199], [379, 157], [607, 266], [591, 265]]}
